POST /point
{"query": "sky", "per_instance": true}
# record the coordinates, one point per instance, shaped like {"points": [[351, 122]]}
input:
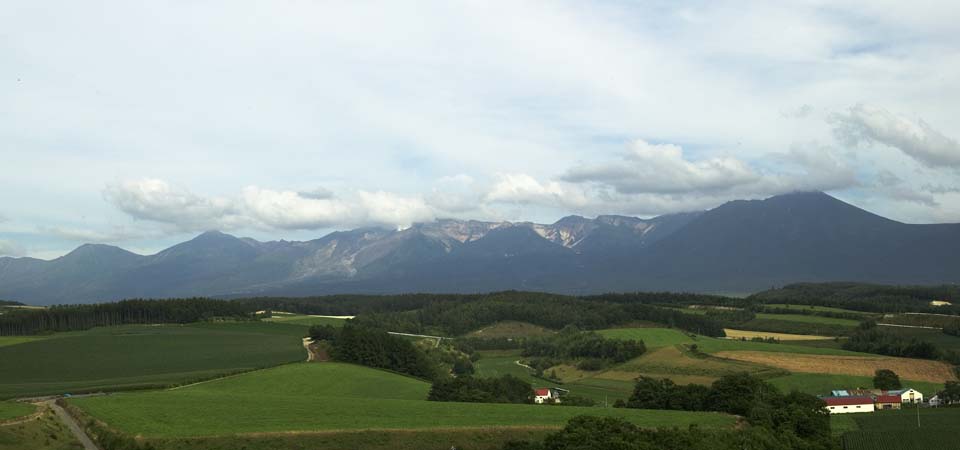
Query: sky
{"points": [[142, 124]]}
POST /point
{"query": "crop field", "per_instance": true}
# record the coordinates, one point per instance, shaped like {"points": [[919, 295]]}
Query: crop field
{"points": [[12, 410], [908, 369], [651, 337], [822, 383], [46, 433], [301, 397], [923, 320], [898, 430], [714, 345], [510, 329], [669, 361], [14, 340], [140, 356], [737, 334]]}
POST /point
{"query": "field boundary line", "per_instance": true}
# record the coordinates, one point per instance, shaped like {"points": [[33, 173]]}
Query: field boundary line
{"points": [[907, 326], [367, 430]]}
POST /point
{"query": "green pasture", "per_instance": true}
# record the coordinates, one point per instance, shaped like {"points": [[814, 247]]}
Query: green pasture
{"points": [[141, 356], [12, 410], [271, 401], [815, 308], [14, 340], [651, 337], [899, 430], [809, 319], [936, 337], [714, 345], [47, 433]]}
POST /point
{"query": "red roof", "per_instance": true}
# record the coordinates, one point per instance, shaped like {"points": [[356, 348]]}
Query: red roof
{"points": [[543, 392], [888, 399], [841, 401]]}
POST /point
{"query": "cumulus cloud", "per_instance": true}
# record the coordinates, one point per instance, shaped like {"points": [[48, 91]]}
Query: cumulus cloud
{"points": [[254, 207], [662, 169], [865, 124], [10, 248]]}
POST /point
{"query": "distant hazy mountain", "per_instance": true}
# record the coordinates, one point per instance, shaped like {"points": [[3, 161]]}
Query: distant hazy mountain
{"points": [[741, 246]]}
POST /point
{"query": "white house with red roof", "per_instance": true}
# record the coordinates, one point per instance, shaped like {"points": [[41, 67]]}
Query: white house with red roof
{"points": [[548, 395], [849, 404]]}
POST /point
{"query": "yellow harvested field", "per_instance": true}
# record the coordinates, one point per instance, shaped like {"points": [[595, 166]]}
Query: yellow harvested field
{"points": [[678, 379], [737, 334], [908, 369]]}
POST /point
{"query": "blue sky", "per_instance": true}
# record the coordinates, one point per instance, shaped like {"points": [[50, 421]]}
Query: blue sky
{"points": [[141, 125]]}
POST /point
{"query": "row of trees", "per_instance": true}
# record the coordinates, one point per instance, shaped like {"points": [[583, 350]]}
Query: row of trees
{"points": [[571, 343], [870, 339], [504, 389], [82, 317], [762, 404], [865, 297]]}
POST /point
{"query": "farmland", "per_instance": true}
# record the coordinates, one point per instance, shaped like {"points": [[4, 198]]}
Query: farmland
{"points": [[45, 433], [822, 383], [141, 356], [898, 430], [301, 397], [815, 308], [651, 337], [305, 320], [912, 369], [737, 334], [510, 329]]}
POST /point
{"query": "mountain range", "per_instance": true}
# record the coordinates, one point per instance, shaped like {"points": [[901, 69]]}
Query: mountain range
{"points": [[738, 247]]}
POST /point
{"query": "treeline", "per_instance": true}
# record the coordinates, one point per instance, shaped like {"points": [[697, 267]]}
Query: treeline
{"points": [[83, 317], [870, 339], [455, 317], [504, 389], [607, 433], [866, 297], [374, 348], [10, 303], [813, 312], [571, 343], [796, 414]]}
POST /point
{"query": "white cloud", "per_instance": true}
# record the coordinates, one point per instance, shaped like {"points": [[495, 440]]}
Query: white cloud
{"points": [[116, 234], [662, 169], [10, 248], [865, 124]]}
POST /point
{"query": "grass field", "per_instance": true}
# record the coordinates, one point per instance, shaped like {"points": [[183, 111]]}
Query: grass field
{"points": [[908, 369], [14, 340], [714, 345], [822, 384], [923, 320], [651, 337], [936, 337], [809, 319], [668, 362], [138, 356], [737, 334], [898, 430], [46, 433], [816, 308], [305, 320], [510, 329], [296, 398], [12, 410]]}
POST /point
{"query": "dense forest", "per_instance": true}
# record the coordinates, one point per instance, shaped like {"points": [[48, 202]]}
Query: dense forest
{"points": [[866, 297], [571, 343], [374, 348]]}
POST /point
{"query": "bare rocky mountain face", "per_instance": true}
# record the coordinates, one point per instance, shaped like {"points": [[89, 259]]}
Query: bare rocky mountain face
{"points": [[741, 246]]}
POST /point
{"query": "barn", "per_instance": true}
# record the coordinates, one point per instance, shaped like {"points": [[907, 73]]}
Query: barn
{"points": [[844, 405]]}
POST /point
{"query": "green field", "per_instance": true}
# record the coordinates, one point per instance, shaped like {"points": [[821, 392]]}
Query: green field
{"points": [[822, 384], [651, 337], [12, 410], [140, 356], [713, 345], [14, 340], [898, 430], [510, 329], [816, 308], [300, 319], [936, 337], [300, 397], [809, 319]]}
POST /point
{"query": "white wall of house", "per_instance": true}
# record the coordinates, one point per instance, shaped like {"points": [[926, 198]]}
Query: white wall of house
{"points": [[911, 396], [846, 409]]}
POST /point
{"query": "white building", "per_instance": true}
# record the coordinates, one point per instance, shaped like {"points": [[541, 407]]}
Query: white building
{"points": [[908, 395], [845, 405]]}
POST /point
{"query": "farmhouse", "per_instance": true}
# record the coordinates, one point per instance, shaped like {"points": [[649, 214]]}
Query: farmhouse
{"points": [[844, 405], [908, 395], [548, 395], [887, 402]]}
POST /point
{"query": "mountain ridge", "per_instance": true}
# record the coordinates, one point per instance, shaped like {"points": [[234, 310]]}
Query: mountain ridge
{"points": [[740, 246]]}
